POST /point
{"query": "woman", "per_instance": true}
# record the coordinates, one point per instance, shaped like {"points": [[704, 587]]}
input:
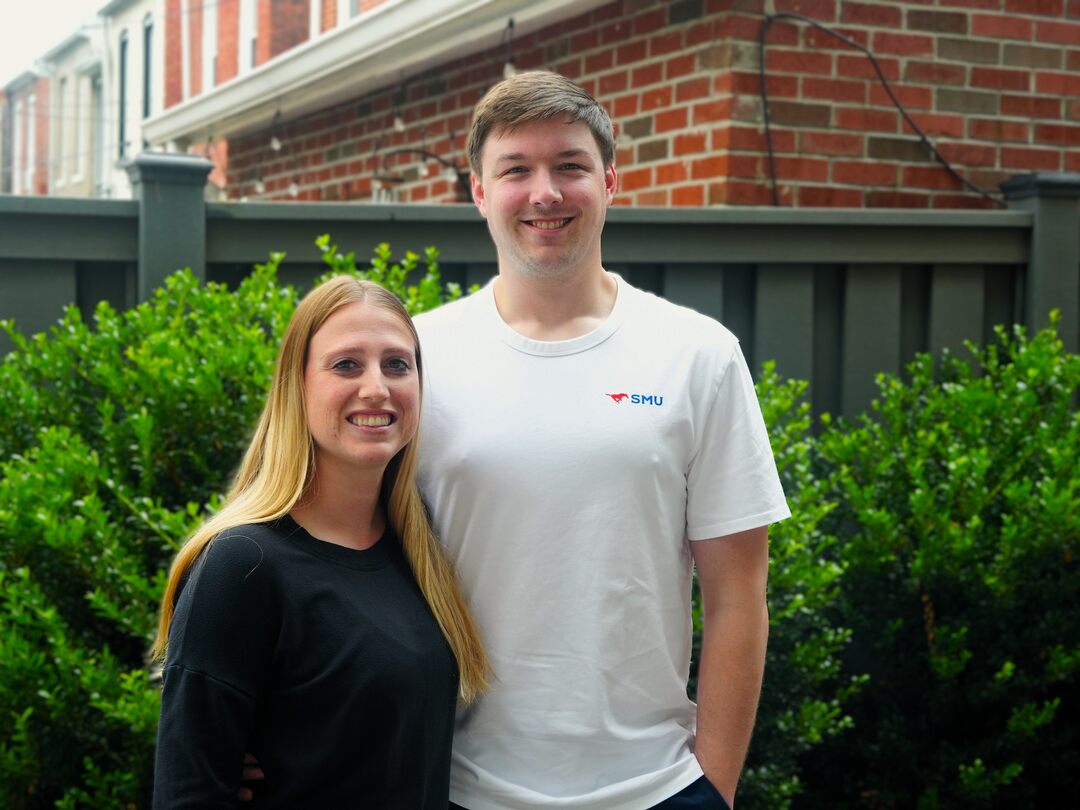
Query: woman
{"points": [[313, 621]]}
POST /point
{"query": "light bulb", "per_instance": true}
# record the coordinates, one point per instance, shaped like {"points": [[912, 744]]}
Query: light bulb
{"points": [[509, 69], [450, 173], [275, 143], [399, 123], [260, 186], [294, 190]]}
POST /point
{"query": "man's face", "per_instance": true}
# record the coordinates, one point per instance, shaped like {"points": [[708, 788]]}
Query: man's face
{"points": [[544, 192]]}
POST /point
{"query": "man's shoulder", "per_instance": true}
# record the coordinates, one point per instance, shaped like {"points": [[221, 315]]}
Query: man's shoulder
{"points": [[668, 321], [446, 316]]}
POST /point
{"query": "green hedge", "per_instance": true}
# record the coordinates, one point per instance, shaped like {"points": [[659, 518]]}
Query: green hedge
{"points": [[958, 499], [118, 435], [923, 648]]}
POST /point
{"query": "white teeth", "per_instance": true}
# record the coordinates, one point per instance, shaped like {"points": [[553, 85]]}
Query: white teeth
{"points": [[549, 225], [369, 421]]}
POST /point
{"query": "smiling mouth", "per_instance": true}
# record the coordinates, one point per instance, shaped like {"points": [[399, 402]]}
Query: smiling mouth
{"points": [[370, 421], [549, 224]]}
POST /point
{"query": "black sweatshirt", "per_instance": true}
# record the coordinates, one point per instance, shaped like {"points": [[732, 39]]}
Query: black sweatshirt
{"points": [[323, 661]]}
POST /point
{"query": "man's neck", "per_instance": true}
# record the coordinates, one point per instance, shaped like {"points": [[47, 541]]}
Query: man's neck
{"points": [[560, 309]]}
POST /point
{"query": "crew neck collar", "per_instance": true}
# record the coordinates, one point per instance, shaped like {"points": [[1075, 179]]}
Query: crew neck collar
{"points": [[556, 348], [375, 556]]}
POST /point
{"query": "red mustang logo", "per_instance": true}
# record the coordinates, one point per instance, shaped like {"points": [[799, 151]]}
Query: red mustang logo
{"points": [[617, 397]]}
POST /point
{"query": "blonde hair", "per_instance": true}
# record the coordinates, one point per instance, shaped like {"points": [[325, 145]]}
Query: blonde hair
{"points": [[537, 95], [279, 465]]}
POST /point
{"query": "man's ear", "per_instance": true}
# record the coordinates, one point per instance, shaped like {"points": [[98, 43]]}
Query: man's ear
{"points": [[611, 183], [478, 193]]}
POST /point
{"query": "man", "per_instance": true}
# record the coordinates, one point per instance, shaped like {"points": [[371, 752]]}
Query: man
{"points": [[584, 442]]}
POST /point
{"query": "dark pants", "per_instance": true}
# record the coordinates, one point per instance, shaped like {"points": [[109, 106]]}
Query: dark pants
{"points": [[700, 795]]}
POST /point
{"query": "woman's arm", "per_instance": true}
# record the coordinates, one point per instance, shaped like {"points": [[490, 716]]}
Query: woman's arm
{"points": [[221, 645]]}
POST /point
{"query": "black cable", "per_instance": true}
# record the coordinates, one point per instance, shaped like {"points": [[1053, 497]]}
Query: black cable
{"points": [[769, 20]]}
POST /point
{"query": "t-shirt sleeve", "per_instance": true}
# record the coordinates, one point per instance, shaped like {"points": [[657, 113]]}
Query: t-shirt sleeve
{"points": [[732, 484], [221, 646]]}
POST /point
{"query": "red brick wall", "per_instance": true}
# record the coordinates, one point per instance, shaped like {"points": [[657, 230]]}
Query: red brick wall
{"points": [[42, 159], [995, 84], [228, 39], [174, 54], [288, 24], [329, 14]]}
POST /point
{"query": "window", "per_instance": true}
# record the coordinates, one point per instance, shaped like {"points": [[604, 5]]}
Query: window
{"points": [[122, 68], [98, 149], [209, 47], [77, 126], [31, 157], [247, 34], [148, 51]]}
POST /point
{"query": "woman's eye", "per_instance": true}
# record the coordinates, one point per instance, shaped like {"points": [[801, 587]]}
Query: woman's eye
{"points": [[399, 365], [344, 365]]}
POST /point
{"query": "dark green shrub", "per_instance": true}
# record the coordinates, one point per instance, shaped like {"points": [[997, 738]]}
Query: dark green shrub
{"points": [[117, 435], [803, 699], [932, 546], [958, 501]]}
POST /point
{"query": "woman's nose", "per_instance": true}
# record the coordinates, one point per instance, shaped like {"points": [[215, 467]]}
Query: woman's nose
{"points": [[372, 385]]}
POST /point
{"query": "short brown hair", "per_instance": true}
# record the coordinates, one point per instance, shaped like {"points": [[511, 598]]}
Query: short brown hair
{"points": [[537, 95]]}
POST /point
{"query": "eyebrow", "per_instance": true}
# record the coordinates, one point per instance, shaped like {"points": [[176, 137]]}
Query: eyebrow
{"points": [[514, 156], [362, 350]]}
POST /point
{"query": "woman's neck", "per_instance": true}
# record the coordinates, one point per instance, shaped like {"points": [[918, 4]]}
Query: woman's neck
{"points": [[347, 512]]}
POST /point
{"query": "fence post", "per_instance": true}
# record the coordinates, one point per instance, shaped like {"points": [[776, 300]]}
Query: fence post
{"points": [[172, 216], [1053, 271]]}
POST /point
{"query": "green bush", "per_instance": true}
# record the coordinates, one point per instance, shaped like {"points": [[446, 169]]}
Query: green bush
{"points": [[805, 691], [932, 548], [958, 500], [118, 435]]}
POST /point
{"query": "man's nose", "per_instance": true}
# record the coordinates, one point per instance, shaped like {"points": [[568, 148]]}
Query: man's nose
{"points": [[545, 189]]}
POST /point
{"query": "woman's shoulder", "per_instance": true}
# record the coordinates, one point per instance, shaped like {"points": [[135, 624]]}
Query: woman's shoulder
{"points": [[246, 553]]}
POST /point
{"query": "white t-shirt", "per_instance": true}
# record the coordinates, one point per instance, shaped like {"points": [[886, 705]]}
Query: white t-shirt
{"points": [[565, 479]]}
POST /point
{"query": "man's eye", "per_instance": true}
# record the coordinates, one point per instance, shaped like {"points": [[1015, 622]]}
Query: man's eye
{"points": [[571, 167], [515, 170]]}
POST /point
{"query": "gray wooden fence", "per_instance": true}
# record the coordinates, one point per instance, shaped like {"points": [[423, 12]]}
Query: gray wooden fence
{"points": [[833, 296]]}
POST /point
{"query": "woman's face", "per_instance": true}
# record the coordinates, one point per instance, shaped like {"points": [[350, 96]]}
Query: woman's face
{"points": [[361, 389]]}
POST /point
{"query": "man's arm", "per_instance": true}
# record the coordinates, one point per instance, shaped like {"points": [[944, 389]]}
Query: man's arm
{"points": [[732, 573]]}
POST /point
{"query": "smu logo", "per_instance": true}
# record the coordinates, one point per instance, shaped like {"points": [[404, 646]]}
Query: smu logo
{"points": [[637, 399]]}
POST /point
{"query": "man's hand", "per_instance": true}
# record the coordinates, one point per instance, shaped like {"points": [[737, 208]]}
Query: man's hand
{"points": [[252, 773]]}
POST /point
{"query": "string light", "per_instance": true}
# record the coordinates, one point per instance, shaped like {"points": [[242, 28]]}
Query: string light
{"points": [[509, 68], [399, 100]]}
